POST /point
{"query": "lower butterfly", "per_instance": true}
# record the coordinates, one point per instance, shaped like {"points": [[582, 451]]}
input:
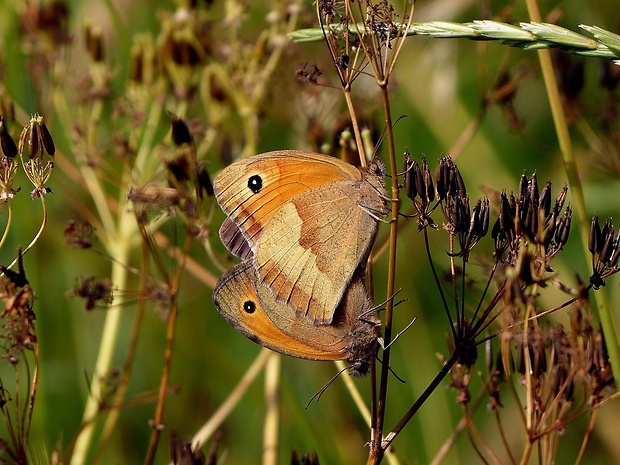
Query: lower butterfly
{"points": [[251, 309]]}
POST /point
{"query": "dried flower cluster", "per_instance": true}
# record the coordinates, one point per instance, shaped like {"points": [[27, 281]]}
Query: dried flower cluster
{"points": [[552, 365]]}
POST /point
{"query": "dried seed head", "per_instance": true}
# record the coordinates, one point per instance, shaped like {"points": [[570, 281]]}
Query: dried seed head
{"points": [[35, 138], [308, 73], [8, 168], [93, 291], [17, 331], [79, 235]]}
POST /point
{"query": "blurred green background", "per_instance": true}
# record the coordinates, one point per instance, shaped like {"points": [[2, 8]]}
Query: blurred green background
{"points": [[437, 86]]}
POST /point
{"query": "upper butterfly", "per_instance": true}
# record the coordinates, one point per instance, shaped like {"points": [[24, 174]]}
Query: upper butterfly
{"points": [[308, 220]]}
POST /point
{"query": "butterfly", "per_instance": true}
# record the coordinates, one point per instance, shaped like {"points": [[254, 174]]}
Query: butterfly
{"points": [[307, 221], [251, 309]]}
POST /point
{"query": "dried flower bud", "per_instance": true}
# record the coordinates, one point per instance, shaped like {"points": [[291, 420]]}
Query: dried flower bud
{"points": [[545, 199], [480, 219], [532, 191], [9, 149], [455, 174], [506, 216], [595, 239], [559, 201], [522, 189], [409, 176], [204, 181], [562, 229], [180, 131], [426, 189], [136, 66], [179, 169], [94, 42], [608, 243], [549, 232], [443, 179], [462, 220]]}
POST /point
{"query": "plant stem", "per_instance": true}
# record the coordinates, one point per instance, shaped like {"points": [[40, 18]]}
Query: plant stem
{"points": [[376, 447], [420, 401], [158, 418], [120, 251], [570, 166], [271, 424]]}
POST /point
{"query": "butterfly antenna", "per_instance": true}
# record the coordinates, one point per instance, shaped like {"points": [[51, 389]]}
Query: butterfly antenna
{"points": [[384, 133], [392, 371], [320, 392], [400, 333]]}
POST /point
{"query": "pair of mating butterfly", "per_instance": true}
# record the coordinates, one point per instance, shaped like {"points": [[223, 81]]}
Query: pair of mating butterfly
{"points": [[303, 224]]}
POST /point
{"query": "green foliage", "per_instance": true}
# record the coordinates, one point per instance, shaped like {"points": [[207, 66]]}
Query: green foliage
{"points": [[119, 233]]}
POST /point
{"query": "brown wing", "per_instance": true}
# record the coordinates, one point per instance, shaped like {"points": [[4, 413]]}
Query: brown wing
{"points": [[236, 299], [252, 190], [313, 245]]}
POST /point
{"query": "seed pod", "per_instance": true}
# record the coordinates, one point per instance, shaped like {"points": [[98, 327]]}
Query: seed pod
{"points": [[46, 138], [595, 238], [559, 201], [563, 228], [427, 180], [180, 132], [9, 149], [443, 178], [483, 218], [522, 189], [204, 181], [608, 242], [545, 199], [458, 179], [408, 175]]}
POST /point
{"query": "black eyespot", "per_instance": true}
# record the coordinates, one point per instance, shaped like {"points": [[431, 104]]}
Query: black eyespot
{"points": [[255, 183], [249, 306]]}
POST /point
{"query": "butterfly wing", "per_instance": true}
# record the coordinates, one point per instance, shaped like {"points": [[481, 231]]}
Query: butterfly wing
{"points": [[314, 244], [251, 191], [236, 299]]}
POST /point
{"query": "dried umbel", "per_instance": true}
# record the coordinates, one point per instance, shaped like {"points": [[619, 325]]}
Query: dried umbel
{"points": [[531, 218], [18, 331], [35, 140], [94, 291]]}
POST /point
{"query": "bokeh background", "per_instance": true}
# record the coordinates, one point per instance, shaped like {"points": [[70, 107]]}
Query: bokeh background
{"points": [[438, 86]]}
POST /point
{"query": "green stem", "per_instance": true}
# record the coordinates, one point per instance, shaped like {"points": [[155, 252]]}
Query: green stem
{"points": [[572, 173], [120, 251], [376, 448]]}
